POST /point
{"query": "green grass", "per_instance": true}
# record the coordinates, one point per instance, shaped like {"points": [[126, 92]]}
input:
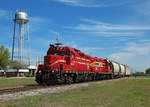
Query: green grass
{"points": [[13, 82], [122, 93]]}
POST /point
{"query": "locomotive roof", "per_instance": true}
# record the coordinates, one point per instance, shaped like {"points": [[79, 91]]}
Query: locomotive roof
{"points": [[76, 51]]}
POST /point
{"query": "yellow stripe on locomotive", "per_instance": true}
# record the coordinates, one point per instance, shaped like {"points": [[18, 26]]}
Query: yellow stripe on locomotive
{"points": [[98, 64]]}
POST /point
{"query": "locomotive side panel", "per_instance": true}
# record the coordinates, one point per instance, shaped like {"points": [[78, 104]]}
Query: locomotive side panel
{"points": [[99, 65]]}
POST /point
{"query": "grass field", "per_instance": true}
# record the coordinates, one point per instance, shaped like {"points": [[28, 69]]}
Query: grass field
{"points": [[122, 93], [13, 82]]}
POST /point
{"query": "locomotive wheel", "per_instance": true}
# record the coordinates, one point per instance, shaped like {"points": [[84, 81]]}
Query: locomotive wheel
{"points": [[49, 79], [60, 79], [89, 78], [69, 79], [75, 79], [38, 78], [111, 76]]}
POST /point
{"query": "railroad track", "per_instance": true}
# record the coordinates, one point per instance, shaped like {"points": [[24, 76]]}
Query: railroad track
{"points": [[33, 87], [19, 89]]}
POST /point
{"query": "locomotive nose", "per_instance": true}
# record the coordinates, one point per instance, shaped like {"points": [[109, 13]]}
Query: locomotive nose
{"points": [[47, 60], [50, 59]]}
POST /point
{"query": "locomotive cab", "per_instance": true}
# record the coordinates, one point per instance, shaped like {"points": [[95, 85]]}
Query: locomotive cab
{"points": [[57, 58], [56, 61]]}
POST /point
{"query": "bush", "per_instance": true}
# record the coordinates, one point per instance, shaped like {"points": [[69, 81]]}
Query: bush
{"points": [[17, 65], [147, 71]]}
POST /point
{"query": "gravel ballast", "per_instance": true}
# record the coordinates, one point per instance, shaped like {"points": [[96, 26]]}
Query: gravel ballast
{"points": [[57, 89]]}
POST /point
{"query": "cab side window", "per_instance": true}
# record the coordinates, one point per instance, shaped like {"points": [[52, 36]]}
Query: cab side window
{"points": [[68, 53], [73, 55]]}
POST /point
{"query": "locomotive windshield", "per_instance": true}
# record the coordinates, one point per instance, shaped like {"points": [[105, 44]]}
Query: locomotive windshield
{"points": [[61, 51], [56, 53]]}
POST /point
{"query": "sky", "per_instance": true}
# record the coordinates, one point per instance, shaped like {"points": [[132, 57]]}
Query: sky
{"points": [[115, 29]]}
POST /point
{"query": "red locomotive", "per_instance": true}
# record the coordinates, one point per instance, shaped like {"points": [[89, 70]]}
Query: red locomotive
{"points": [[68, 65]]}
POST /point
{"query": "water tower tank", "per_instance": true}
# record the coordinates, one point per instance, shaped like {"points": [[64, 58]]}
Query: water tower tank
{"points": [[21, 17]]}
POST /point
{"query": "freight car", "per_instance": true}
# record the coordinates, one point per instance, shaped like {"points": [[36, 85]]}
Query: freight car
{"points": [[67, 65], [120, 70], [128, 71]]}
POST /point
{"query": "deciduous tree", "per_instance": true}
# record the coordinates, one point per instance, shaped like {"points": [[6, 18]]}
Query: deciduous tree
{"points": [[4, 57]]}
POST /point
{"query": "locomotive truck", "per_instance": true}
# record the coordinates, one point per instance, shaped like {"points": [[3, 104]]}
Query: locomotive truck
{"points": [[63, 64]]}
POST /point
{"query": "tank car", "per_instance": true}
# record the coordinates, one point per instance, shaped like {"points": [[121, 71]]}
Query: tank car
{"points": [[122, 70], [116, 69], [127, 71]]}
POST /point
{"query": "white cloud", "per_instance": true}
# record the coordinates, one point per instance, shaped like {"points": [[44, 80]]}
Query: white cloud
{"points": [[90, 50], [37, 22], [106, 29], [95, 3], [135, 55], [97, 25], [38, 19], [71, 44], [141, 49], [86, 50], [80, 3], [144, 41], [53, 32], [3, 13], [116, 34], [142, 7], [94, 22], [121, 55]]}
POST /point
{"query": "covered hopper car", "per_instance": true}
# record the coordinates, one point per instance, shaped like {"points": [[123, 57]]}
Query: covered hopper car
{"points": [[67, 65]]}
